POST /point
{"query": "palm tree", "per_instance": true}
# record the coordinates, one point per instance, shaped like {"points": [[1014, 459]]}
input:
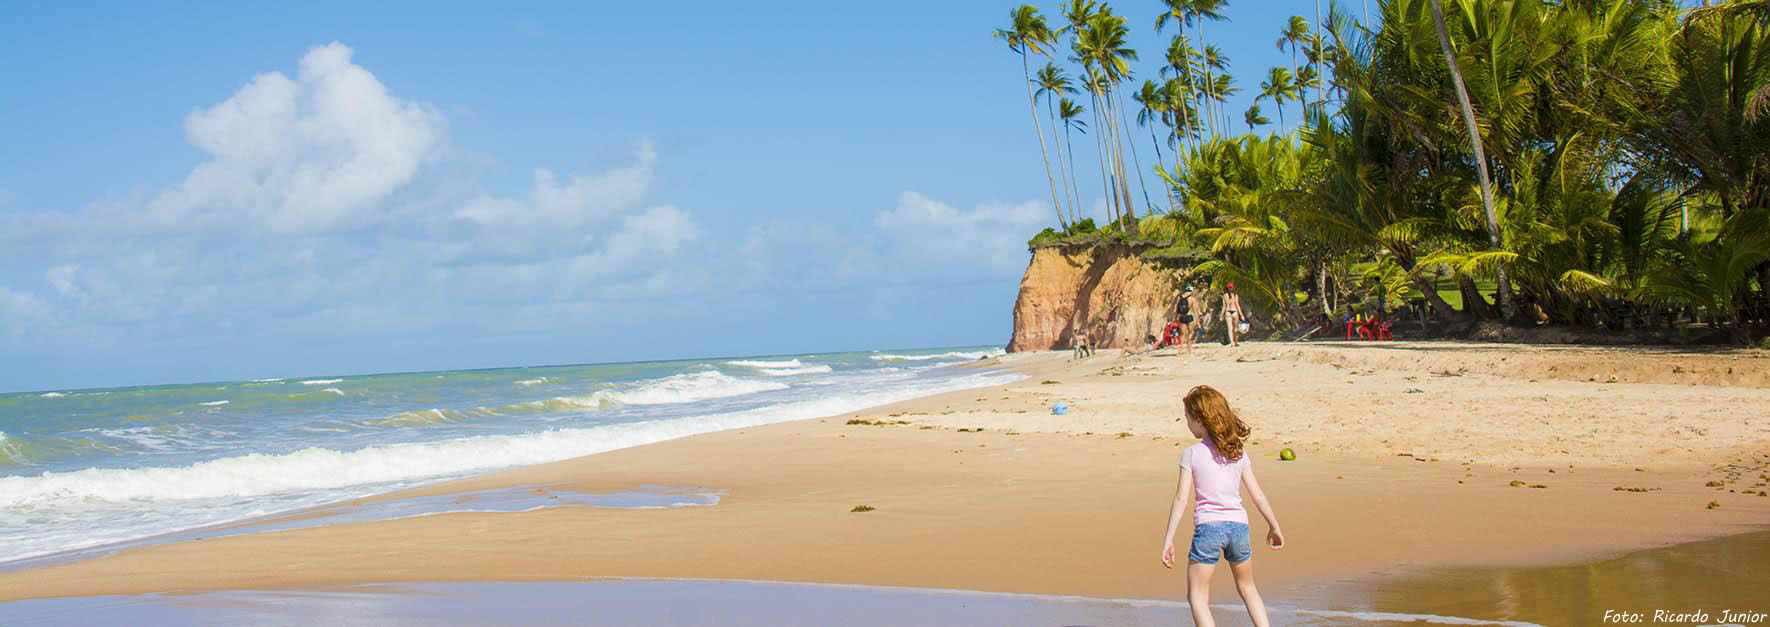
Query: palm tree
{"points": [[1296, 31], [1071, 113], [1217, 86], [1053, 84], [1136, 162], [1027, 32], [1180, 11], [1100, 44], [1279, 88], [1109, 183], [1307, 79], [1252, 117], [1182, 90], [1715, 275], [1199, 13], [1182, 112], [1493, 224], [1225, 87], [1316, 39], [1155, 110], [1079, 13]]}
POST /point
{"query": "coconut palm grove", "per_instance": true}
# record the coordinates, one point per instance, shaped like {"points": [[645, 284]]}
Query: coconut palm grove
{"points": [[1585, 165]]}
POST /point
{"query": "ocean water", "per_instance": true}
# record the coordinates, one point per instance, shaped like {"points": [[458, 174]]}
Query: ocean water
{"points": [[90, 468]]}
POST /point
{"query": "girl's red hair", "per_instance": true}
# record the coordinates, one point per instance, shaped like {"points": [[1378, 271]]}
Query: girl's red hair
{"points": [[1223, 428]]}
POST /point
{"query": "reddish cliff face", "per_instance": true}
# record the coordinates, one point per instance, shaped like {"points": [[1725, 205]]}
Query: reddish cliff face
{"points": [[1104, 292]]}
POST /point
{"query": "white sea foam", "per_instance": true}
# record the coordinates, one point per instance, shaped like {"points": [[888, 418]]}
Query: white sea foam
{"points": [[760, 363], [213, 403], [265, 380], [682, 388], [687, 388], [51, 395], [321, 381], [167, 438], [320, 468], [599, 400], [952, 355], [534, 381], [192, 474], [791, 372]]}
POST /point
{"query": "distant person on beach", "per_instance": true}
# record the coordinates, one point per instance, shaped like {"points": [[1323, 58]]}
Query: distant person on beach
{"points": [[1191, 317], [1218, 467], [1233, 315], [1147, 346]]}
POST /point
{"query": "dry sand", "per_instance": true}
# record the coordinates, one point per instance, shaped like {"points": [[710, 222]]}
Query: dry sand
{"points": [[1414, 460]]}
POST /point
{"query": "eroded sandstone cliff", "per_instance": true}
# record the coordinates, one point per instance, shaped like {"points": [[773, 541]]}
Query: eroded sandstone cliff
{"points": [[1105, 292]]}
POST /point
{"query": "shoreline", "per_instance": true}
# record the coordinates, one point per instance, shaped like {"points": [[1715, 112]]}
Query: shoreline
{"points": [[982, 510]]}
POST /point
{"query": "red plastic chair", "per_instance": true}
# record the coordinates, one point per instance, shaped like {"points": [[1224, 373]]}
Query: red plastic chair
{"points": [[1385, 331], [1353, 325]]}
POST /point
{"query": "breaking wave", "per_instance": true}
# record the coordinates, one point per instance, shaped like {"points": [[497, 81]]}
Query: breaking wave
{"points": [[682, 388], [323, 468], [762, 363], [953, 355], [791, 372]]}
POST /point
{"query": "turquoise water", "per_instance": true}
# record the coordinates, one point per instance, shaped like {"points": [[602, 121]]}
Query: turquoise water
{"points": [[85, 468]]}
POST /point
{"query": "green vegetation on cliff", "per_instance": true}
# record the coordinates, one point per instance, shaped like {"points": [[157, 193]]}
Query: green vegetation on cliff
{"points": [[1588, 163]]}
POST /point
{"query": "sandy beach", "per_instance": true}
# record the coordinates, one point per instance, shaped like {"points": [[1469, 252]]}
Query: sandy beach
{"points": [[1421, 467]]}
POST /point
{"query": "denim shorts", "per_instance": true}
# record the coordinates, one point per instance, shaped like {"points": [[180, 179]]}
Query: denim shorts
{"points": [[1220, 539]]}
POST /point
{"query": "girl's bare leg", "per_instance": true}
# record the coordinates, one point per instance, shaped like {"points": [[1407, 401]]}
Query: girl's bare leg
{"points": [[1198, 593], [1250, 596]]}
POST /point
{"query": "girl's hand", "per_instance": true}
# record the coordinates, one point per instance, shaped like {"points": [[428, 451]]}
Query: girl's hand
{"points": [[1168, 554], [1275, 539]]}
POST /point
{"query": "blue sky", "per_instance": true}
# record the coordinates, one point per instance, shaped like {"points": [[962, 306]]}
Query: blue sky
{"points": [[285, 189]]}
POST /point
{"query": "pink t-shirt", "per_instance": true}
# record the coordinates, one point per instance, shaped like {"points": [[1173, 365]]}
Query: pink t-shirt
{"points": [[1216, 484]]}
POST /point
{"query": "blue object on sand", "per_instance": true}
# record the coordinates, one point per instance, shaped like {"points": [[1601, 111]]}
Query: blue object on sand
{"points": [[1060, 408]]}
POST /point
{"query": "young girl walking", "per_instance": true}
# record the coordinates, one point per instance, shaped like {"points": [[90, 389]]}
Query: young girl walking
{"points": [[1218, 468]]}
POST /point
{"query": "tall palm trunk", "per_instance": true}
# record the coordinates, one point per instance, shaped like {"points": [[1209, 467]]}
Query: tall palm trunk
{"points": [[1321, 63], [1075, 202], [1136, 162], [1321, 273], [1302, 90], [1210, 85], [1493, 224], [1033, 105], [1161, 162], [1126, 209], [1106, 183], [1051, 112]]}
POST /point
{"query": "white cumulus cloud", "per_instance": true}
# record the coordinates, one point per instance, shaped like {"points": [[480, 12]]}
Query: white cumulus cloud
{"points": [[326, 201], [328, 209], [311, 154], [991, 237]]}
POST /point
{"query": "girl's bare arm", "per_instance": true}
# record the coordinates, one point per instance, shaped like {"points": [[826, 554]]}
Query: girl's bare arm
{"points": [[1182, 494], [1274, 536]]}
